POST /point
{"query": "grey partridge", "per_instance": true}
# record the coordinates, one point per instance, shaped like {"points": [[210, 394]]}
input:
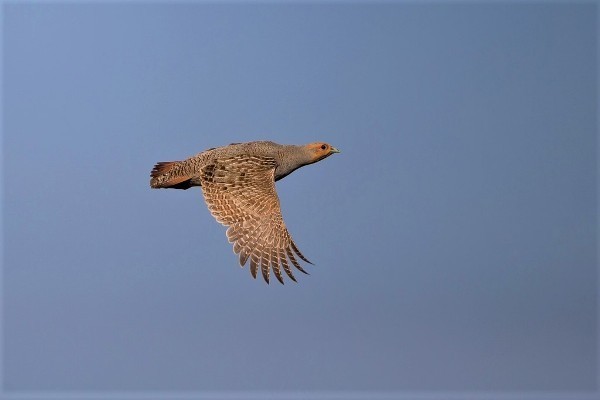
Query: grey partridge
{"points": [[238, 184]]}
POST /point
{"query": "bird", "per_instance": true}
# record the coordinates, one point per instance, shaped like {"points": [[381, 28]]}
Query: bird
{"points": [[238, 185]]}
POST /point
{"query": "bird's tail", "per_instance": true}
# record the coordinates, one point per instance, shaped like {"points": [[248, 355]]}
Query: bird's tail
{"points": [[169, 174]]}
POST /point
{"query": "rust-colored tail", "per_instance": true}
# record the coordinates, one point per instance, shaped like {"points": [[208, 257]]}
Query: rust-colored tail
{"points": [[166, 175]]}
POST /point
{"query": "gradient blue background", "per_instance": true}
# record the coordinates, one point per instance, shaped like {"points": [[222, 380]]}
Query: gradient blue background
{"points": [[455, 237]]}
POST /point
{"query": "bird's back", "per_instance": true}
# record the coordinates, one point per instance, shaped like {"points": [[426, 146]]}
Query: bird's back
{"points": [[185, 174]]}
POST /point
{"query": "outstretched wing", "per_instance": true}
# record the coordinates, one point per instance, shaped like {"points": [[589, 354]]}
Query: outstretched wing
{"points": [[240, 193]]}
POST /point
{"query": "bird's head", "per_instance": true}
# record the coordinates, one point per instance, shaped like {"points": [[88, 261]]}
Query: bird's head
{"points": [[320, 150]]}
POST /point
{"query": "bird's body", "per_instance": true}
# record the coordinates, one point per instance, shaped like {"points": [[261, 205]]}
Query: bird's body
{"points": [[238, 183]]}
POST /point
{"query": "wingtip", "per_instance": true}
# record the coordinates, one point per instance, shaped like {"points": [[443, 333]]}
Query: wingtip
{"points": [[297, 251]]}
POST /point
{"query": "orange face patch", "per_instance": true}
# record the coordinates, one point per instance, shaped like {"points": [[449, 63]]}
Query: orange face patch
{"points": [[320, 150]]}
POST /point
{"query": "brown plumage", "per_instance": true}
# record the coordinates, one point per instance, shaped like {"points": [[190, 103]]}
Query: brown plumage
{"points": [[238, 183]]}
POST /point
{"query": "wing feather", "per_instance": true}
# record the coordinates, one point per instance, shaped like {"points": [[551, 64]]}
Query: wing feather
{"points": [[294, 261], [275, 265]]}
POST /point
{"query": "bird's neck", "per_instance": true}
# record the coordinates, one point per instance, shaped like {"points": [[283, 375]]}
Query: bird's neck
{"points": [[292, 158]]}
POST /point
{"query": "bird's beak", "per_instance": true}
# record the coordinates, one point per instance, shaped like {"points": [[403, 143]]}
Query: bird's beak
{"points": [[334, 150]]}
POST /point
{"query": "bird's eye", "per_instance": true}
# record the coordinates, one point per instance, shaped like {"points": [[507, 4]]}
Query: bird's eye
{"points": [[324, 147]]}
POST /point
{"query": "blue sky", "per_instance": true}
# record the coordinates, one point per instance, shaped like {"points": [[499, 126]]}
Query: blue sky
{"points": [[455, 236]]}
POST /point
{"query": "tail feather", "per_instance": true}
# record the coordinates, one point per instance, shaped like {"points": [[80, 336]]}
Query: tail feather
{"points": [[164, 175]]}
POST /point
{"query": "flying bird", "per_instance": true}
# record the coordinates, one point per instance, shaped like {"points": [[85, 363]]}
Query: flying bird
{"points": [[238, 184]]}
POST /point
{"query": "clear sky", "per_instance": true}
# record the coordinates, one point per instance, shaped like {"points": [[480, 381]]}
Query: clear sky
{"points": [[455, 236]]}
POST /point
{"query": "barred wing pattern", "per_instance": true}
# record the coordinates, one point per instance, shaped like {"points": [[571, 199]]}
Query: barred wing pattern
{"points": [[240, 193]]}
